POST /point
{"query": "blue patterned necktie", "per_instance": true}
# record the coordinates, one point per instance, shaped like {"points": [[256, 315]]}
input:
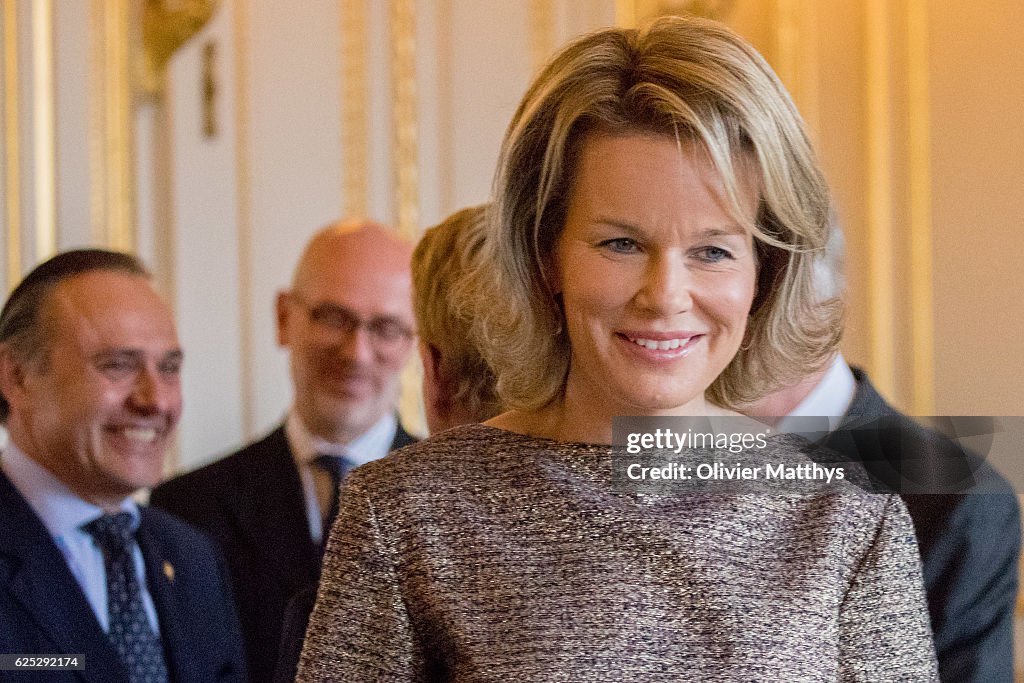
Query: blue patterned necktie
{"points": [[337, 466], [130, 632]]}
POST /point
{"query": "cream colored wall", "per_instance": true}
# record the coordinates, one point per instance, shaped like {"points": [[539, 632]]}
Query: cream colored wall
{"points": [[977, 73], [914, 108], [917, 131], [244, 203], [914, 105]]}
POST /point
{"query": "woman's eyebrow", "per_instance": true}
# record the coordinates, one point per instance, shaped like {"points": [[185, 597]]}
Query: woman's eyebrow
{"points": [[729, 230]]}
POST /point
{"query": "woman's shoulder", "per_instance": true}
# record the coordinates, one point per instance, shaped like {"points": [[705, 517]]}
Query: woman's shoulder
{"points": [[459, 451]]}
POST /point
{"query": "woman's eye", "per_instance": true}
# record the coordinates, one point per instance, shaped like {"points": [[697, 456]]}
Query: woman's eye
{"points": [[714, 254], [621, 245]]}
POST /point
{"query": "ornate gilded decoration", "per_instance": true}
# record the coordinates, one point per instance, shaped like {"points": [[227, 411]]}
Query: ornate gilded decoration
{"points": [[44, 130], [12, 151], [542, 32], [633, 12], [210, 90], [110, 136], [406, 149], [879, 195], [406, 168], [166, 26], [920, 183]]}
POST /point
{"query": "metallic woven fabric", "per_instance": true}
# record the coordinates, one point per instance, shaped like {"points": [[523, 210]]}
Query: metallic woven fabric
{"points": [[485, 555]]}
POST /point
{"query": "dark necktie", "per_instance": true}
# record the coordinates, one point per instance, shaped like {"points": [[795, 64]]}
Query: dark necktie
{"points": [[337, 466], [130, 632]]}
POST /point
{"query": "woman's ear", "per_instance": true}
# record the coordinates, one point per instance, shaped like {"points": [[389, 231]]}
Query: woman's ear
{"points": [[431, 359], [552, 275]]}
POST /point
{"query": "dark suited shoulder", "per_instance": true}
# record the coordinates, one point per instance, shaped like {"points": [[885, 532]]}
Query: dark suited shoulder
{"points": [[188, 579], [252, 504], [191, 496], [970, 545], [402, 438]]}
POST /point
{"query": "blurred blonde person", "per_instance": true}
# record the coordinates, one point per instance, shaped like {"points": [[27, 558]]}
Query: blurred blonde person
{"points": [[458, 386]]}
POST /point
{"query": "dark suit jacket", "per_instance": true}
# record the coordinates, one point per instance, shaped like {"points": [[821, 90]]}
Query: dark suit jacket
{"points": [[970, 543], [251, 502], [44, 611]]}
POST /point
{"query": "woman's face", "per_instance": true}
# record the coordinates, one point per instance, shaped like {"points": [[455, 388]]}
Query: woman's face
{"points": [[656, 275]]}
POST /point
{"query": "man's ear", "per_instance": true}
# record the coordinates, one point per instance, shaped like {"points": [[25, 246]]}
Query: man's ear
{"points": [[12, 376], [435, 389], [282, 312]]}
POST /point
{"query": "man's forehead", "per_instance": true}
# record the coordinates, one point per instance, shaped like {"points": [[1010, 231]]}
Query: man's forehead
{"points": [[365, 291], [361, 251], [121, 311], [357, 276]]}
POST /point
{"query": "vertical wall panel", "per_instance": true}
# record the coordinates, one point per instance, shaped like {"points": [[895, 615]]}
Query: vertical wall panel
{"points": [[977, 93], [295, 156], [72, 81], [11, 146], [205, 290]]}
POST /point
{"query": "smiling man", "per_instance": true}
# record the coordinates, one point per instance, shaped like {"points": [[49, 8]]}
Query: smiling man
{"points": [[347, 323], [90, 380]]}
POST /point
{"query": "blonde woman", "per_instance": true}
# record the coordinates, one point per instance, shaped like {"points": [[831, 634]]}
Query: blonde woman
{"points": [[657, 208]]}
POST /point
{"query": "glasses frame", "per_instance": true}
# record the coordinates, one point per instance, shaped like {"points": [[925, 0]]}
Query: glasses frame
{"points": [[385, 333]]}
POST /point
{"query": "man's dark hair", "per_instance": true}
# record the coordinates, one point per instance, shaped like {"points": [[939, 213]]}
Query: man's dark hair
{"points": [[21, 326]]}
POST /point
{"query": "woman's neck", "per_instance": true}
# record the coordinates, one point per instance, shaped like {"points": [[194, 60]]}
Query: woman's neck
{"points": [[571, 419]]}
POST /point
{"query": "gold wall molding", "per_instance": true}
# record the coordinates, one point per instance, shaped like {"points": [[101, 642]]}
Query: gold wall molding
{"points": [[111, 127], [355, 131], [920, 211], [631, 13], [243, 175], [881, 283], [406, 123], [166, 26], [44, 129], [542, 32], [797, 55], [406, 171], [12, 144]]}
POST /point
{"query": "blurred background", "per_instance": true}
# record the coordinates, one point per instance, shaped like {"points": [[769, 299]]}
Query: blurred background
{"points": [[213, 137]]}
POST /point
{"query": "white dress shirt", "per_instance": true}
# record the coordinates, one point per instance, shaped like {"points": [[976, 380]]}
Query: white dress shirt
{"points": [[830, 398], [63, 513], [317, 485]]}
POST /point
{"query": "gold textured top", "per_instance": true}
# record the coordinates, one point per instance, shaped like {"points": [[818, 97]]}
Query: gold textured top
{"points": [[485, 555]]}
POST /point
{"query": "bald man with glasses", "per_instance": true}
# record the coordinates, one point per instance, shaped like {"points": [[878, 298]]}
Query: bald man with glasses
{"points": [[348, 325]]}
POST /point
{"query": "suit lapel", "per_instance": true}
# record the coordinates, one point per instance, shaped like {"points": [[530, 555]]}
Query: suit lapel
{"points": [[272, 514], [867, 401], [172, 614], [38, 578]]}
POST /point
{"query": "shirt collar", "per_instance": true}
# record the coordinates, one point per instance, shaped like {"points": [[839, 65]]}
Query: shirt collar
{"points": [[372, 444], [59, 508], [831, 397]]}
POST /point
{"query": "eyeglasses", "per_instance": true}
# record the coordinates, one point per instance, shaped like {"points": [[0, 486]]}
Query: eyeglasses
{"points": [[387, 334]]}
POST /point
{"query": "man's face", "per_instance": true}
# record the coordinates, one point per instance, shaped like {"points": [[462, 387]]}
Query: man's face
{"points": [[348, 324], [100, 409]]}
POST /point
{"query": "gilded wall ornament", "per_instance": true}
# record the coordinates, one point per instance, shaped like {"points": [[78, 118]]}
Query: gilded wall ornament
{"points": [[166, 26]]}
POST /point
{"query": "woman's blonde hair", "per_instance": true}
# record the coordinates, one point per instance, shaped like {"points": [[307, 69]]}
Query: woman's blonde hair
{"points": [[693, 80], [443, 256]]}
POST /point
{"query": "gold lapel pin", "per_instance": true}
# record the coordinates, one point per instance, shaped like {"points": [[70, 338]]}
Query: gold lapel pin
{"points": [[169, 570]]}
